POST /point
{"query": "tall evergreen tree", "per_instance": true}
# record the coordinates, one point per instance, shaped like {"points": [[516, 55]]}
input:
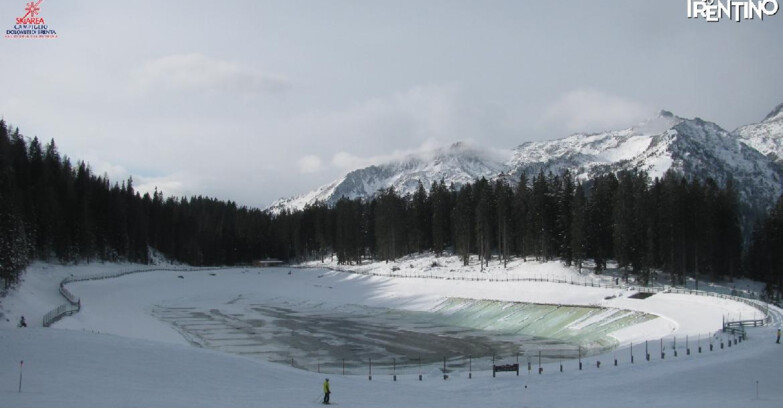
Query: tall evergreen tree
{"points": [[579, 227], [524, 231], [390, 232], [601, 210], [440, 197], [565, 214], [462, 223], [420, 220], [504, 201]]}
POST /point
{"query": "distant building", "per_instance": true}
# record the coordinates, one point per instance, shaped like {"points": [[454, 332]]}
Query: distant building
{"points": [[263, 263]]}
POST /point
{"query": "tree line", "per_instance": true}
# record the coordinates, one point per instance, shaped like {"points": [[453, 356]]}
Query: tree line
{"points": [[673, 225], [52, 209]]}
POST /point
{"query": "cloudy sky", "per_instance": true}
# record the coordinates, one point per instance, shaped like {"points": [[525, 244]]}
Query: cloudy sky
{"points": [[254, 100]]}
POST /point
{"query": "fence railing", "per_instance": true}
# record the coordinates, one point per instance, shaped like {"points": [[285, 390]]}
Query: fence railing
{"points": [[531, 361], [74, 303], [59, 312]]}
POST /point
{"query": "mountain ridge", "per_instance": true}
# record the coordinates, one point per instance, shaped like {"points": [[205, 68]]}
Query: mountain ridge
{"points": [[765, 136], [749, 155]]}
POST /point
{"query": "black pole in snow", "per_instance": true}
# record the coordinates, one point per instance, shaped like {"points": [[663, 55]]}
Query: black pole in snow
{"points": [[444, 369]]}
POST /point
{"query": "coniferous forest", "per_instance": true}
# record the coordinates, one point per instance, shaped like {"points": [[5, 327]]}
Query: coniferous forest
{"points": [[56, 210]]}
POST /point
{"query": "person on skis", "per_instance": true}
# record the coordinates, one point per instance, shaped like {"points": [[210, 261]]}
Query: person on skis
{"points": [[327, 391], [23, 323], [778, 336]]}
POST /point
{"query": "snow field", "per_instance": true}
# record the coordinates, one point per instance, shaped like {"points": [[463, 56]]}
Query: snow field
{"points": [[119, 354]]}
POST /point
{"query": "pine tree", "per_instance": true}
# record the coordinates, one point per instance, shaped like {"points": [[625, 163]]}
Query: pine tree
{"points": [[441, 216], [630, 227], [420, 220], [462, 223], [565, 213], [579, 227], [522, 217], [348, 231], [390, 231], [483, 214], [600, 230], [504, 199]]}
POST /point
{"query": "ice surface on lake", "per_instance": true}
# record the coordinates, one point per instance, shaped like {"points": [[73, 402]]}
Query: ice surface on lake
{"points": [[584, 326], [318, 336]]}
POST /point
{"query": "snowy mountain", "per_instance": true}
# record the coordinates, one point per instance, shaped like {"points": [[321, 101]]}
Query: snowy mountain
{"points": [[692, 147], [766, 136], [459, 164], [589, 155]]}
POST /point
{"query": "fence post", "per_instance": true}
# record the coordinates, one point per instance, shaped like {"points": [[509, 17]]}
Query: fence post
{"points": [[445, 376], [675, 346], [21, 364], [540, 369]]}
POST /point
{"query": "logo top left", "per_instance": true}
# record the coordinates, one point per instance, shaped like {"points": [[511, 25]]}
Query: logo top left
{"points": [[31, 24]]}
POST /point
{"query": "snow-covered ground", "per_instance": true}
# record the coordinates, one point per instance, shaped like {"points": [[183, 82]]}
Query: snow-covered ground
{"points": [[132, 342]]}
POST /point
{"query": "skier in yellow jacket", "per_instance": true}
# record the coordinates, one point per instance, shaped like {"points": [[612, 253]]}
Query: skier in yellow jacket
{"points": [[327, 391]]}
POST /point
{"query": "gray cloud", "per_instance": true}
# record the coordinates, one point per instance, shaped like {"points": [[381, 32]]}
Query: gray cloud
{"points": [[589, 110], [251, 101], [199, 73]]}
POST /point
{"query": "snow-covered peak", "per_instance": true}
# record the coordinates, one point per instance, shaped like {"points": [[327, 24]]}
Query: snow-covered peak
{"points": [[765, 136], [586, 155], [692, 147], [458, 164], [664, 121], [775, 115]]}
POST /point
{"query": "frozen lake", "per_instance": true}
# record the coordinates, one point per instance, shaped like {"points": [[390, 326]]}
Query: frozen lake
{"points": [[317, 318], [466, 332]]}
